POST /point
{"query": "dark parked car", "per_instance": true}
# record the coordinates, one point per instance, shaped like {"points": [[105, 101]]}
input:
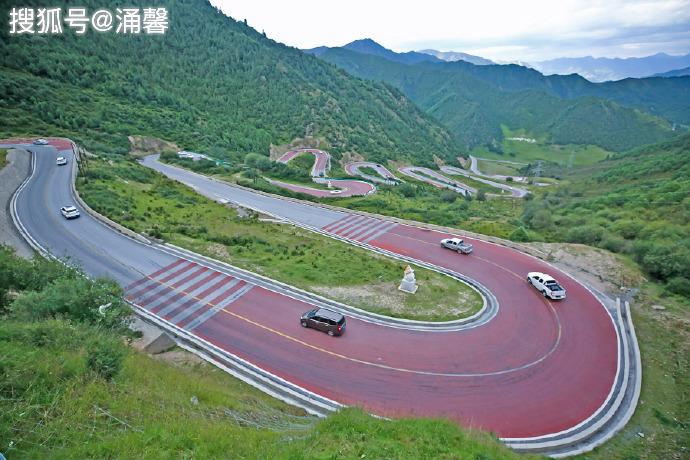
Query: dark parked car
{"points": [[324, 320]]}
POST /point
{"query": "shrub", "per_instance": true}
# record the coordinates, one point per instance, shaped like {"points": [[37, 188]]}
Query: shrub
{"points": [[613, 243], [519, 234], [407, 190], [104, 356], [680, 286], [448, 196], [586, 234], [77, 299]]}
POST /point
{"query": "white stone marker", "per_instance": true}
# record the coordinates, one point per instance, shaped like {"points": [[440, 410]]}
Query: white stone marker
{"points": [[408, 283]]}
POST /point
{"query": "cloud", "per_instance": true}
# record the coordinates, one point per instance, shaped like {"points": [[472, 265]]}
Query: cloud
{"points": [[504, 30]]}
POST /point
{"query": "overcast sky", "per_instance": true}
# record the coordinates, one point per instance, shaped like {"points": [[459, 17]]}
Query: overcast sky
{"points": [[525, 30]]}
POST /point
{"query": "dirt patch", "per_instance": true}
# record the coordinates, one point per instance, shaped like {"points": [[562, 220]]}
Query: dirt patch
{"points": [[602, 269], [439, 162], [217, 250], [179, 357], [349, 157], [142, 146]]}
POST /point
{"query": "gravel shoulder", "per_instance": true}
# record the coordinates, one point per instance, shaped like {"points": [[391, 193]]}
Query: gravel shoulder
{"points": [[11, 176]]}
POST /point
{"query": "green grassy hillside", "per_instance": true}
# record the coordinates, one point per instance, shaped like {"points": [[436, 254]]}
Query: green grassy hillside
{"points": [[210, 84]]}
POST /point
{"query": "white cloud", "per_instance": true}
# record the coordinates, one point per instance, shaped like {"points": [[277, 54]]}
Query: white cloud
{"points": [[525, 30]]}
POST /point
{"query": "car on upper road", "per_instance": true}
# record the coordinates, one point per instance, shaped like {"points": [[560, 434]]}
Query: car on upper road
{"points": [[61, 161], [457, 244], [40, 142], [69, 212], [324, 320], [545, 284]]}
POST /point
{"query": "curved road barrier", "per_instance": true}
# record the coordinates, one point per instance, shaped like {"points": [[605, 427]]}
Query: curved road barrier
{"points": [[516, 192], [437, 180], [474, 167], [384, 175], [536, 372], [319, 171]]}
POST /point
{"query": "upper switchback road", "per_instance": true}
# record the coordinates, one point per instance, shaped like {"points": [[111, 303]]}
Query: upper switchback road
{"points": [[322, 163]]}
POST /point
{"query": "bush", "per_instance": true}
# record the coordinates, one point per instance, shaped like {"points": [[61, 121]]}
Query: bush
{"points": [[481, 195], [586, 234], [613, 243], [519, 234], [77, 299], [448, 196], [104, 356], [407, 190], [680, 286]]}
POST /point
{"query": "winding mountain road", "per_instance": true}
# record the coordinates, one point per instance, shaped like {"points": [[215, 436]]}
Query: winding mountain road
{"points": [[319, 171], [534, 369]]}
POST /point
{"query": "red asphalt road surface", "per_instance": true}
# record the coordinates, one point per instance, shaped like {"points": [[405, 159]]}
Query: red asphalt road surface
{"points": [[58, 142], [320, 159], [537, 368], [343, 188]]}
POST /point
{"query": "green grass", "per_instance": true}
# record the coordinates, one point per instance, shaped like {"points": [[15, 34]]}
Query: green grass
{"points": [[569, 155], [3, 158], [52, 407], [149, 203], [493, 167]]}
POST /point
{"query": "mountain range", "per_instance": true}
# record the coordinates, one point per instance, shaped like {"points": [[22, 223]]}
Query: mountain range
{"points": [[452, 56], [612, 69], [473, 101], [674, 73], [223, 89]]}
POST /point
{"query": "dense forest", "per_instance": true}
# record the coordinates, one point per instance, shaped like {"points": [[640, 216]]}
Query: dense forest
{"points": [[474, 101], [210, 83]]}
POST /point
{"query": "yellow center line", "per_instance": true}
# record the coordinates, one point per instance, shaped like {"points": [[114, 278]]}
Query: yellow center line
{"points": [[356, 360]]}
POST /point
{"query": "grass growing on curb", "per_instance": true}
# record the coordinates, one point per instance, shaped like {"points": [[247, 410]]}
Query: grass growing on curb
{"points": [[147, 202]]}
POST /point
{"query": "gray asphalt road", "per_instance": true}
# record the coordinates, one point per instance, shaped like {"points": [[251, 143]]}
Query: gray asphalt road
{"points": [[87, 242], [303, 213]]}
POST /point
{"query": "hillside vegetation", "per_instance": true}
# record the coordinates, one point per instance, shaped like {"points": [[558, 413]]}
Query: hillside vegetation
{"points": [[210, 83], [474, 101], [637, 203]]}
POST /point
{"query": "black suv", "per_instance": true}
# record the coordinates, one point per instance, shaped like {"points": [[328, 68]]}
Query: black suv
{"points": [[324, 320]]}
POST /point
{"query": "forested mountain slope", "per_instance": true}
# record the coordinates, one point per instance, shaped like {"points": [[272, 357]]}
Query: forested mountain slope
{"points": [[474, 101], [210, 83]]}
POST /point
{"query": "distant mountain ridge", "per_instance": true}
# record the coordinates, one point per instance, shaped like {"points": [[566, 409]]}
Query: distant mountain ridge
{"points": [[674, 73], [452, 56], [369, 46], [474, 101], [613, 69]]}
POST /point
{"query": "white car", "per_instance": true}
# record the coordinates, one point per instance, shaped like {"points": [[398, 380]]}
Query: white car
{"points": [[61, 161], [69, 212], [545, 284], [40, 142], [457, 244]]}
